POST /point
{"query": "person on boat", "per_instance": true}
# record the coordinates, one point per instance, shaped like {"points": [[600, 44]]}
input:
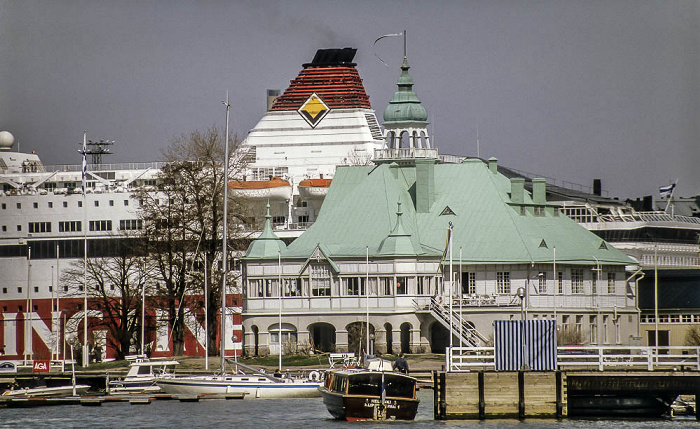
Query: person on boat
{"points": [[277, 373], [401, 364]]}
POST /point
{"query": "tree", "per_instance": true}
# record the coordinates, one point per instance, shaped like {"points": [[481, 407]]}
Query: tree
{"points": [[183, 223], [114, 287], [692, 336]]}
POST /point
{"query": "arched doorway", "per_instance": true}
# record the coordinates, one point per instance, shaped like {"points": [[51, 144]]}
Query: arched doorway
{"points": [[439, 338], [322, 337], [389, 338], [256, 339], [357, 337], [406, 337]]}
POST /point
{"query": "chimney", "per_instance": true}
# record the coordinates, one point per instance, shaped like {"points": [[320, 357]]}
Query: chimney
{"points": [[493, 165], [597, 187], [517, 190], [425, 184], [272, 95], [539, 191]]}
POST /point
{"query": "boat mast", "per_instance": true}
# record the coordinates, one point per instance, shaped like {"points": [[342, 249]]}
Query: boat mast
{"points": [[225, 239]]}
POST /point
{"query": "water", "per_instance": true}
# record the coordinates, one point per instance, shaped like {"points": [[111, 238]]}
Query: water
{"points": [[271, 414]]}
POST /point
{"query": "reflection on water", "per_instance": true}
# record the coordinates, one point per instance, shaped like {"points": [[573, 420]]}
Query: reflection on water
{"points": [[268, 414]]}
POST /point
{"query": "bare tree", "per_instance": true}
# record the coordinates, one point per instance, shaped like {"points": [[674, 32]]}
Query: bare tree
{"points": [[113, 287], [183, 223]]}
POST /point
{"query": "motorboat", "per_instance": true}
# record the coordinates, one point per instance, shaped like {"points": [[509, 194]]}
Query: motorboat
{"points": [[247, 381], [44, 391], [142, 375], [371, 393]]}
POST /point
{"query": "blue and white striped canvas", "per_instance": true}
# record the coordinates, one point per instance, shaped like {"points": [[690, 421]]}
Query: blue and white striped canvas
{"points": [[539, 351]]}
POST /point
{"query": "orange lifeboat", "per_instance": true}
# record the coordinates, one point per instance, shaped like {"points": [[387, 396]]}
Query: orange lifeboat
{"points": [[314, 188], [275, 189]]}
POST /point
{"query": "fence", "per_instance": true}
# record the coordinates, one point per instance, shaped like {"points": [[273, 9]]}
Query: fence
{"points": [[600, 358]]}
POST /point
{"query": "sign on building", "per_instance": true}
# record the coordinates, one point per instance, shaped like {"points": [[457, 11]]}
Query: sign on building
{"points": [[533, 342]]}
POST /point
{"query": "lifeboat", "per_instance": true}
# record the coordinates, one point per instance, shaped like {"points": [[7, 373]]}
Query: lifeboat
{"points": [[314, 188], [275, 189]]}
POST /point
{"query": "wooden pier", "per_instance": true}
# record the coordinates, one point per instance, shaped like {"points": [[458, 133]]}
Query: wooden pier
{"points": [[96, 401], [558, 394]]}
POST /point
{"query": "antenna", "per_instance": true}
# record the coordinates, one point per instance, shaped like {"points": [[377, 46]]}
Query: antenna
{"points": [[97, 149]]}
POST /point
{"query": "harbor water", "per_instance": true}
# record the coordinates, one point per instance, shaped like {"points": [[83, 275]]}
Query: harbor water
{"points": [[272, 414]]}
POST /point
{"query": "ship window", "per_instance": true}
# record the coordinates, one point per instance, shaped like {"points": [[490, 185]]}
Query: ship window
{"points": [[4, 206], [19, 227], [111, 203], [97, 203], [69, 226], [65, 204], [39, 227], [80, 203], [100, 225], [126, 202], [36, 289], [36, 205], [4, 228], [19, 290], [19, 205], [50, 204], [4, 290], [366, 385]]}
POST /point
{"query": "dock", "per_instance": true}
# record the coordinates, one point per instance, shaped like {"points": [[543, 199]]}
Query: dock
{"points": [[96, 401], [558, 394]]}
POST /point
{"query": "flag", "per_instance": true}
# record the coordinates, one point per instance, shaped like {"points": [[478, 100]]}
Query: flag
{"points": [[84, 162], [447, 246], [667, 191]]}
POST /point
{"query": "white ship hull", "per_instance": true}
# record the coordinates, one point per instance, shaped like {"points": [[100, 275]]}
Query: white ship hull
{"points": [[251, 386]]}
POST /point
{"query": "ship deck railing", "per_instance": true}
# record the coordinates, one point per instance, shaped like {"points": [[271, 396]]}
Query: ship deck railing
{"points": [[595, 358]]}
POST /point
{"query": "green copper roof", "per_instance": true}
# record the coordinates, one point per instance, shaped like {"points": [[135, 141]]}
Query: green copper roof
{"points": [[360, 210], [405, 105], [267, 244]]}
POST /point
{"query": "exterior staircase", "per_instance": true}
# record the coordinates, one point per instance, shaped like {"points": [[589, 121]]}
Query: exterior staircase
{"points": [[470, 337]]}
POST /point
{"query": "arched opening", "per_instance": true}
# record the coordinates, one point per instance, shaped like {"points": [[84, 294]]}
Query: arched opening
{"points": [[322, 337], [390, 139], [439, 338], [405, 337], [389, 338], [256, 339], [423, 140], [357, 338], [405, 141], [289, 338]]}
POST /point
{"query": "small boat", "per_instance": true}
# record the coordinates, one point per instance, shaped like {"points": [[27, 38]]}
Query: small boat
{"points": [[275, 189], [46, 391], [142, 375], [253, 384], [370, 394]]}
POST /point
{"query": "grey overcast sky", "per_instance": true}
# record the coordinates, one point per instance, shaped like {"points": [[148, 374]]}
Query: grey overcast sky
{"points": [[571, 90]]}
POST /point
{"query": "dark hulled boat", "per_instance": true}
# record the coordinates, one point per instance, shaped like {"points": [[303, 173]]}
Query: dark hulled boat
{"points": [[360, 394]]}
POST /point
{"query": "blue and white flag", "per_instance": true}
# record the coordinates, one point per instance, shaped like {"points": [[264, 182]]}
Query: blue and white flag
{"points": [[667, 191], [84, 162]]}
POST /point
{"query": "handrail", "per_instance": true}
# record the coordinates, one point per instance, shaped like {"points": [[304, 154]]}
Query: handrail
{"points": [[601, 358]]}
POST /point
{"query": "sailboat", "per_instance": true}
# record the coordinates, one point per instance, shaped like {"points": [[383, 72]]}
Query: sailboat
{"points": [[245, 380]]}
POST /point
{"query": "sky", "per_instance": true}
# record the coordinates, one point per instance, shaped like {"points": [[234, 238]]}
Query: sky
{"points": [[565, 89]]}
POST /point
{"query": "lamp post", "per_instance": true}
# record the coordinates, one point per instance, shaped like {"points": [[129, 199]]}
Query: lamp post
{"points": [[523, 346]]}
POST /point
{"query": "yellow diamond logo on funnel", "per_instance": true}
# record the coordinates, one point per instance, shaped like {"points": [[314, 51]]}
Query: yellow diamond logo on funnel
{"points": [[313, 110]]}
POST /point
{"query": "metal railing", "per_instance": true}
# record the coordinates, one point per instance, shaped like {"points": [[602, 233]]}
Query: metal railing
{"points": [[600, 358]]}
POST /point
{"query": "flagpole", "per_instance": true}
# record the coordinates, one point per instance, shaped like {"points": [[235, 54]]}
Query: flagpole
{"points": [[367, 292], [224, 254], [58, 306], [279, 323], [86, 358], [451, 290]]}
